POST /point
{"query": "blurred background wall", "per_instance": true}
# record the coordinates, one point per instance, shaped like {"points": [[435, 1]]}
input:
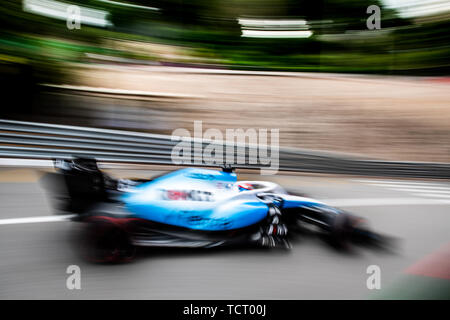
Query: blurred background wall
{"points": [[176, 61]]}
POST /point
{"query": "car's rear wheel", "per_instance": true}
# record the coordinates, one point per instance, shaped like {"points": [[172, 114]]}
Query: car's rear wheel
{"points": [[107, 242]]}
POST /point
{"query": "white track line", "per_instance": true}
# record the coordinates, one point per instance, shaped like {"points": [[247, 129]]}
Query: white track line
{"points": [[392, 186], [399, 182], [36, 219], [422, 190], [442, 196], [362, 202]]}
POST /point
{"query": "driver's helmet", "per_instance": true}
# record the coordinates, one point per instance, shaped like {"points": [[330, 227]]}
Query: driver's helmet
{"points": [[245, 186]]}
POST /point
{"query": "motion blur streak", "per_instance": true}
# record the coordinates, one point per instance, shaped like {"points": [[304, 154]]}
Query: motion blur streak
{"points": [[276, 34], [58, 10], [274, 28]]}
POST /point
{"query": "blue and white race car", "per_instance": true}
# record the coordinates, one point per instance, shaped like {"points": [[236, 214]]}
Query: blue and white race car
{"points": [[192, 207]]}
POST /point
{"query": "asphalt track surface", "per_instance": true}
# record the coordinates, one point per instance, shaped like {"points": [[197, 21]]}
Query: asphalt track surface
{"points": [[34, 255]]}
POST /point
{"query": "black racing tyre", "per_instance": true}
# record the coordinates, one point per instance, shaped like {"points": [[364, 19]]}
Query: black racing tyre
{"points": [[339, 235], [106, 242]]}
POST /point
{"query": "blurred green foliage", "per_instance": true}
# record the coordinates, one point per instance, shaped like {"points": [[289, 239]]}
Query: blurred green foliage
{"points": [[209, 28]]}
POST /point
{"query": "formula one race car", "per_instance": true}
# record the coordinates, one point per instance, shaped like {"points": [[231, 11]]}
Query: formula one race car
{"points": [[191, 207]]}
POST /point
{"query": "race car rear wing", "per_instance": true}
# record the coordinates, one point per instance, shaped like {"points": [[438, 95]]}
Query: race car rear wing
{"points": [[77, 184]]}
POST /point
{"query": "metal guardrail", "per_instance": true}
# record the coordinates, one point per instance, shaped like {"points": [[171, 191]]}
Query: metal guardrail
{"points": [[48, 141]]}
